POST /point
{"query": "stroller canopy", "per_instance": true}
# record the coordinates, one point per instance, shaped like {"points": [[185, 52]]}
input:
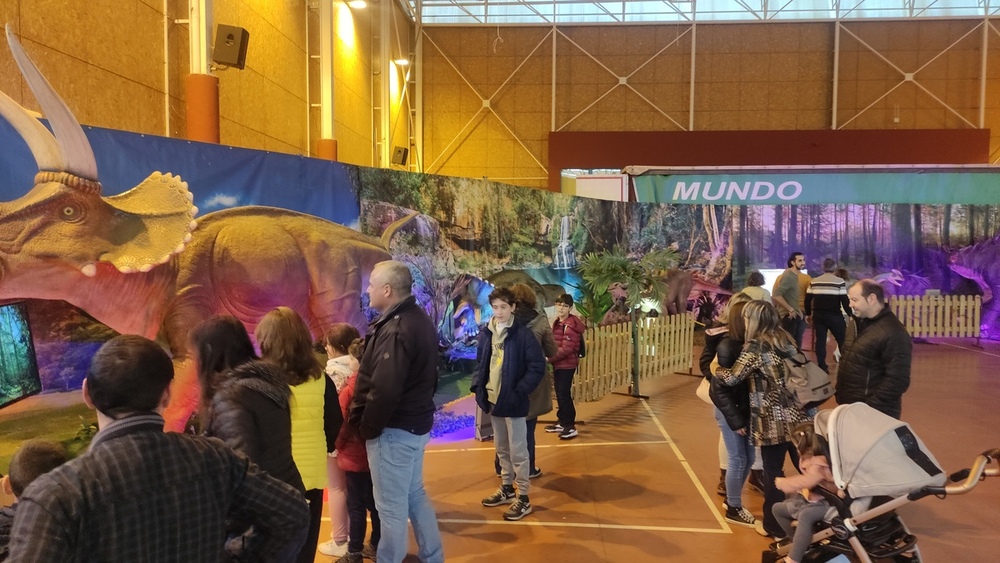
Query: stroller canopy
{"points": [[873, 454]]}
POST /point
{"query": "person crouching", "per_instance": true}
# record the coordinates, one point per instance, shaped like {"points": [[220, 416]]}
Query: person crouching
{"points": [[510, 364]]}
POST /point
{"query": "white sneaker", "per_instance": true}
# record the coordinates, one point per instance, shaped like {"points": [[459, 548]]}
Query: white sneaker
{"points": [[333, 548]]}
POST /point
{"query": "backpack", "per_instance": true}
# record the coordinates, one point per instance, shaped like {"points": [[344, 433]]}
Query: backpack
{"points": [[805, 382], [582, 351]]}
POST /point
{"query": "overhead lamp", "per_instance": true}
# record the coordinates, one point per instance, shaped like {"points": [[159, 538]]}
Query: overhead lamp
{"points": [[401, 62], [357, 4]]}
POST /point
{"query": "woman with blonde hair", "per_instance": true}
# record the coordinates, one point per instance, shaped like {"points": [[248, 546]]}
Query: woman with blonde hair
{"points": [[773, 415], [285, 340]]}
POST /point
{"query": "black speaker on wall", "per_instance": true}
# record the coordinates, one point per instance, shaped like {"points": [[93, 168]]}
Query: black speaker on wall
{"points": [[231, 46], [399, 155]]}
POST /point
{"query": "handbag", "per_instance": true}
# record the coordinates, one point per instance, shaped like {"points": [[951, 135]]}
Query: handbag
{"points": [[702, 391]]}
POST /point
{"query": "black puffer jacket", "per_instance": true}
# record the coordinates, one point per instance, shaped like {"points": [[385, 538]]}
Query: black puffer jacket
{"points": [[398, 374], [875, 364], [250, 413], [714, 334], [734, 402]]}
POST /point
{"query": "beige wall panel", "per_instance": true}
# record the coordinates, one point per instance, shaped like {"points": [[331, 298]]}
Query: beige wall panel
{"points": [[753, 67], [753, 96], [782, 67], [784, 38], [722, 96], [268, 96], [753, 120], [352, 92], [178, 119], [782, 97], [724, 121], [930, 118], [233, 131]]}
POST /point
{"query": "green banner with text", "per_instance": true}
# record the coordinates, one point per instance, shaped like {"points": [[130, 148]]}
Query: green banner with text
{"points": [[804, 188]]}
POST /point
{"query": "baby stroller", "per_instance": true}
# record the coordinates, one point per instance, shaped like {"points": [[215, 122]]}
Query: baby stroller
{"points": [[880, 465]]}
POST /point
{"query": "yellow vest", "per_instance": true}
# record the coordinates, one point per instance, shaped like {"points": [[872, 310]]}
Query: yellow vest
{"points": [[308, 435]]}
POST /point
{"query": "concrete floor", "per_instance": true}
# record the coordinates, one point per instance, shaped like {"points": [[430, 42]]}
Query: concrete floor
{"points": [[638, 484]]}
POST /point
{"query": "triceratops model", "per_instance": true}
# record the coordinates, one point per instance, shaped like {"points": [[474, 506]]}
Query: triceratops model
{"points": [[136, 262]]}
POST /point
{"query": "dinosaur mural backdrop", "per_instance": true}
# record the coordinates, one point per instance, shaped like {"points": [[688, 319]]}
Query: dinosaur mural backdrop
{"points": [[287, 230]]}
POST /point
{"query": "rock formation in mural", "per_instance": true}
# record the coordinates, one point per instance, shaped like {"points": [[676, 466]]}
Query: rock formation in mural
{"points": [[981, 263], [136, 262]]}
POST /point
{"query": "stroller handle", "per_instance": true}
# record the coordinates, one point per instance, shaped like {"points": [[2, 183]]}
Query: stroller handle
{"points": [[972, 476]]}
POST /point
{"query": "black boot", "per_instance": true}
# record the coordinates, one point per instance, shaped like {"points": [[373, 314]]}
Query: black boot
{"points": [[722, 484]]}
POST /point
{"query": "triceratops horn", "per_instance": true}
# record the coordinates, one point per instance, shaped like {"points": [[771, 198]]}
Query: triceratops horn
{"points": [[42, 144], [78, 157]]}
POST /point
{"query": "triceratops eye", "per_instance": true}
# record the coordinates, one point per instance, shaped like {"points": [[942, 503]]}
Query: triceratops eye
{"points": [[71, 213]]}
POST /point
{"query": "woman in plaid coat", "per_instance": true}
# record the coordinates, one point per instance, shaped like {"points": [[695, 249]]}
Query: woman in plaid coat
{"points": [[773, 415]]}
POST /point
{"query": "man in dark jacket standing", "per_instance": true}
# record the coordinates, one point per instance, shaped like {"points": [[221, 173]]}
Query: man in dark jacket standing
{"points": [[510, 363], [875, 364], [393, 409]]}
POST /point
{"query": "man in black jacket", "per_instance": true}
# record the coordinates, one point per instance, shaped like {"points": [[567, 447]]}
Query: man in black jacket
{"points": [[875, 364], [393, 409]]}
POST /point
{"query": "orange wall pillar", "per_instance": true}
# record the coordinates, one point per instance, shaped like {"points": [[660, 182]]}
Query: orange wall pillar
{"points": [[327, 148], [202, 107]]}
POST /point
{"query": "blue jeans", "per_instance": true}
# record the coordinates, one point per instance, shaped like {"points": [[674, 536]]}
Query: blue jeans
{"points": [[741, 456], [396, 460]]}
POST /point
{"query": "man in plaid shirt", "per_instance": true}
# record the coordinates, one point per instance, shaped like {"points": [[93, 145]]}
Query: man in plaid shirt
{"points": [[139, 494]]}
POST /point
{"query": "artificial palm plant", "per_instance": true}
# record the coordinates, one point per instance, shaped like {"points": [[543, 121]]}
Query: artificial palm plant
{"points": [[641, 279]]}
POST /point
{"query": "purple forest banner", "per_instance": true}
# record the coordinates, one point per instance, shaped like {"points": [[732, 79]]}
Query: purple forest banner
{"points": [[912, 228], [470, 233]]}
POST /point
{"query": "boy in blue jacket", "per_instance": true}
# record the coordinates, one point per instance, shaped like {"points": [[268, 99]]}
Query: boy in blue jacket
{"points": [[510, 365]]}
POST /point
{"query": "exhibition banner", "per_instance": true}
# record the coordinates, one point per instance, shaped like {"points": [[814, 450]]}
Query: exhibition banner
{"points": [[976, 186]]}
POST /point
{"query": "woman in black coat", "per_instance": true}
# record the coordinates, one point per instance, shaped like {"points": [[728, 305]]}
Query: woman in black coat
{"points": [[245, 401], [732, 412]]}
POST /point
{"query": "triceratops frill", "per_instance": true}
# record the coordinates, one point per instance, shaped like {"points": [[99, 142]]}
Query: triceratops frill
{"points": [[136, 263]]}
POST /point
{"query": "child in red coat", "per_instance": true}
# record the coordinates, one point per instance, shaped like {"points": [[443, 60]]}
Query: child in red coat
{"points": [[352, 457]]}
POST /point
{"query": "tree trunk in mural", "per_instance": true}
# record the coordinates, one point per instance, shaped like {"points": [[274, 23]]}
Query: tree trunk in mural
{"points": [[845, 245], [946, 243], [742, 260], [918, 236], [719, 242], [902, 236], [970, 213], [873, 239], [793, 228], [777, 241]]}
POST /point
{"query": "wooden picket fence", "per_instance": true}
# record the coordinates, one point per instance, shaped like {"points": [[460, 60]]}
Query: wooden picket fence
{"points": [[666, 345], [939, 315]]}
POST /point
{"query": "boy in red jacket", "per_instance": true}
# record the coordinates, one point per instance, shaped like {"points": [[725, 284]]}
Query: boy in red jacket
{"points": [[352, 457], [568, 331]]}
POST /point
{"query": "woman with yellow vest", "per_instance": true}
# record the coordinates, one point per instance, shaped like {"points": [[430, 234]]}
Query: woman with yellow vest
{"points": [[284, 339]]}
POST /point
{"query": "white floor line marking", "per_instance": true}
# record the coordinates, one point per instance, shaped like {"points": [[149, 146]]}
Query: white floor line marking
{"points": [[687, 468], [983, 352], [583, 525], [575, 444]]}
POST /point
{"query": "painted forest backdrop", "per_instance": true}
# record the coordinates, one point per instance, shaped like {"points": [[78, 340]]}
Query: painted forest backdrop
{"points": [[472, 232]]}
